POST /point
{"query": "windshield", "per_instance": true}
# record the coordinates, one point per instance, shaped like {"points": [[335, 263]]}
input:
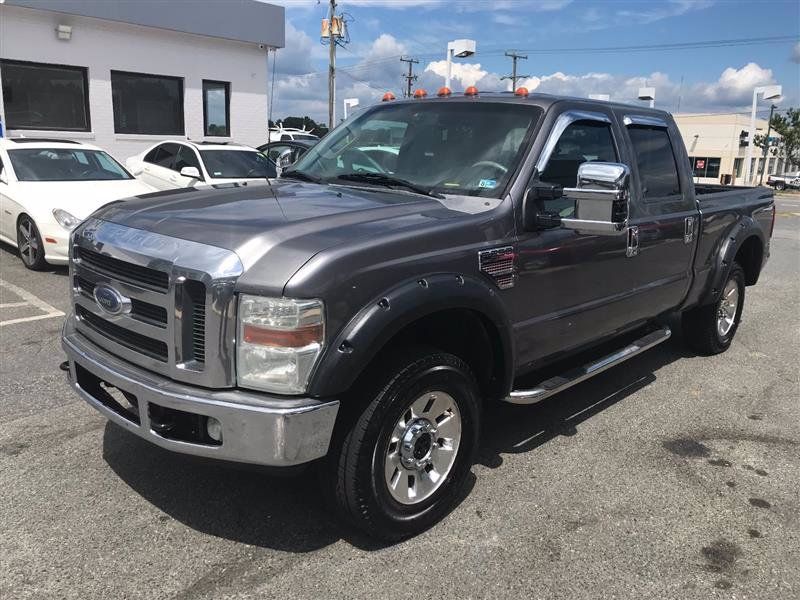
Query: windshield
{"points": [[65, 164], [450, 147], [237, 164]]}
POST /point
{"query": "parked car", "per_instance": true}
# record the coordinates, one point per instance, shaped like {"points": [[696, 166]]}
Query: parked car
{"points": [[288, 134], [182, 164], [367, 320], [47, 187], [789, 180], [284, 154]]}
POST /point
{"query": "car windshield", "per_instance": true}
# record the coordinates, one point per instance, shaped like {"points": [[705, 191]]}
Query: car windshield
{"points": [[65, 164], [237, 164], [450, 147]]}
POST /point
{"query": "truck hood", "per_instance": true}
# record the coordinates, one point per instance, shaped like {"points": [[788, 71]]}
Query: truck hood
{"points": [[275, 230]]}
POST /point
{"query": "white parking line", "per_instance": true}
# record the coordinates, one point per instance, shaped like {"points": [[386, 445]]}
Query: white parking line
{"points": [[29, 299]]}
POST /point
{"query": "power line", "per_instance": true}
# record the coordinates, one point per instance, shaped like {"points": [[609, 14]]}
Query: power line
{"points": [[594, 50]]}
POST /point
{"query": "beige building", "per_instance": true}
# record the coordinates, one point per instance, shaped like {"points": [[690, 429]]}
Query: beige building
{"points": [[717, 148]]}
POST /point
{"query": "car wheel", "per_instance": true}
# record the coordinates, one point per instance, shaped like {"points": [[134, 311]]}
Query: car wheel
{"points": [[710, 329], [29, 243], [403, 462], [780, 186]]}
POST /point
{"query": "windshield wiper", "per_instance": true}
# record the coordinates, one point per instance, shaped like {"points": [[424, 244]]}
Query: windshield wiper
{"points": [[389, 181], [300, 175]]}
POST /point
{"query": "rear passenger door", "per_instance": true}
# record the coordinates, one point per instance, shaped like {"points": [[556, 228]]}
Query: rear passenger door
{"points": [[664, 211], [158, 168]]}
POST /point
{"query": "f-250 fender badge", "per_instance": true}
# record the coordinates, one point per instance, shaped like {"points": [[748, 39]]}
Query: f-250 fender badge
{"points": [[498, 263]]}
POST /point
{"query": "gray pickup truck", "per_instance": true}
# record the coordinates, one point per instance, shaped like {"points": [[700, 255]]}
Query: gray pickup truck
{"points": [[408, 273]]}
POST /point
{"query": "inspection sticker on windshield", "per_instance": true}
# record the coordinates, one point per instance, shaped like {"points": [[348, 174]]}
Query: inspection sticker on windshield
{"points": [[487, 183]]}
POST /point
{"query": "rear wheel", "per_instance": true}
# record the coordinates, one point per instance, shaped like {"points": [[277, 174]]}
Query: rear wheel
{"points": [[29, 243], [401, 465], [710, 329], [780, 186]]}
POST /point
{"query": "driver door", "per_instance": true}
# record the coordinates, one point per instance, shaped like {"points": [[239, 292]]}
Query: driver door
{"points": [[573, 287]]}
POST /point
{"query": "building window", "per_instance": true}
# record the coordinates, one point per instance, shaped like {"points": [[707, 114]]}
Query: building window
{"points": [[217, 108], [704, 166], [737, 166], [50, 97], [147, 104]]}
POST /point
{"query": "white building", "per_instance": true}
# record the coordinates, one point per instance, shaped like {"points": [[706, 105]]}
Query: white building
{"points": [[124, 74], [717, 148]]}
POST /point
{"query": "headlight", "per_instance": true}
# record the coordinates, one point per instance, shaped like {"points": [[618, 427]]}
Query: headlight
{"points": [[279, 342], [66, 220]]}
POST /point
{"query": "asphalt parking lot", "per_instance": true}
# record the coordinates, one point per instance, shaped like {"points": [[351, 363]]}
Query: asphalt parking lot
{"points": [[674, 476]]}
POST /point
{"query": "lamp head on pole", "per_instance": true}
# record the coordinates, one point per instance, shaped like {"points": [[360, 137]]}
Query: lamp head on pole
{"points": [[769, 92], [462, 48], [647, 93]]}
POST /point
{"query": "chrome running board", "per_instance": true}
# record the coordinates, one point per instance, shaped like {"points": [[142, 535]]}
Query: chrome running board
{"points": [[572, 377]]}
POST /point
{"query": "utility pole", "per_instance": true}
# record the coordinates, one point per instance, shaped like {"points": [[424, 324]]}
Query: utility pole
{"points": [[410, 77], [766, 145], [332, 68], [513, 77]]}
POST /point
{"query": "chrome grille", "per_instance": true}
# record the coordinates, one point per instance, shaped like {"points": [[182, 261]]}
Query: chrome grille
{"points": [[180, 321], [124, 271], [130, 339]]}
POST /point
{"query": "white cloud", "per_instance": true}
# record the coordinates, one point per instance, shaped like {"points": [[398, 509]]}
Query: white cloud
{"points": [[466, 74], [735, 86]]}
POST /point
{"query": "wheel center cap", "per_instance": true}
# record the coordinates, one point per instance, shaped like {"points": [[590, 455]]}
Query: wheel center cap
{"points": [[417, 443]]}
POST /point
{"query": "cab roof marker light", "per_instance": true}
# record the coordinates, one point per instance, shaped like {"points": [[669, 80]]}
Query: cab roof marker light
{"points": [[420, 93], [521, 91], [443, 92], [388, 97], [471, 91]]}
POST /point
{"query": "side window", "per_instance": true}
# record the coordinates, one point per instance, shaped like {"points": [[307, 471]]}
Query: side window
{"points": [[187, 158], [275, 151], [166, 156], [582, 141], [658, 171], [152, 156]]}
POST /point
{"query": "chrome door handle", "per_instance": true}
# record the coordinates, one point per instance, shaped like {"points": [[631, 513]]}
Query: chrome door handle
{"points": [[688, 230], [633, 241]]}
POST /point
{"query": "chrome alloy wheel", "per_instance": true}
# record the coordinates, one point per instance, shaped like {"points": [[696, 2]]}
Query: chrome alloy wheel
{"points": [[28, 242], [423, 447], [726, 311]]}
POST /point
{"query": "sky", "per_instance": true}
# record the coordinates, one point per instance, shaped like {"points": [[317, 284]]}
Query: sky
{"points": [[574, 47]]}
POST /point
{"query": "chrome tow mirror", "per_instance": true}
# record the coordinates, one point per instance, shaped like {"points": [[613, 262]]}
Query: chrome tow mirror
{"points": [[601, 198]]}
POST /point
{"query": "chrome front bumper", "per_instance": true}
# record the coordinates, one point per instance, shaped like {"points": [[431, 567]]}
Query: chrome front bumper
{"points": [[256, 428]]}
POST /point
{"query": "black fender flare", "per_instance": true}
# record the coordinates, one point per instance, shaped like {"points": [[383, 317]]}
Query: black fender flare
{"points": [[354, 347], [729, 246]]}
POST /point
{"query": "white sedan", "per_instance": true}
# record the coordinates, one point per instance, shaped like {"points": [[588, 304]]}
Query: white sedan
{"points": [[179, 164], [47, 187]]}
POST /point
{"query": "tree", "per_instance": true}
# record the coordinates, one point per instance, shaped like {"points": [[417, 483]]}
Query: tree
{"points": [[788, 127]]}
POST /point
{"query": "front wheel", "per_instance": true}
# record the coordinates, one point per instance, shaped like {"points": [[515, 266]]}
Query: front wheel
{"points": [[710, 329], [29, 243], [401, 466]]}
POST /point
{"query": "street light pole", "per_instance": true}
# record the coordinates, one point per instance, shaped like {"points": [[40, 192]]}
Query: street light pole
{"points": [[766, 145], [460, 49], [769, 92]]}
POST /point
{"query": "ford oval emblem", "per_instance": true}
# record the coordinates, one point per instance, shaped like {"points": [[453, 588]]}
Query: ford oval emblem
{"points": [[110, 300]]}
